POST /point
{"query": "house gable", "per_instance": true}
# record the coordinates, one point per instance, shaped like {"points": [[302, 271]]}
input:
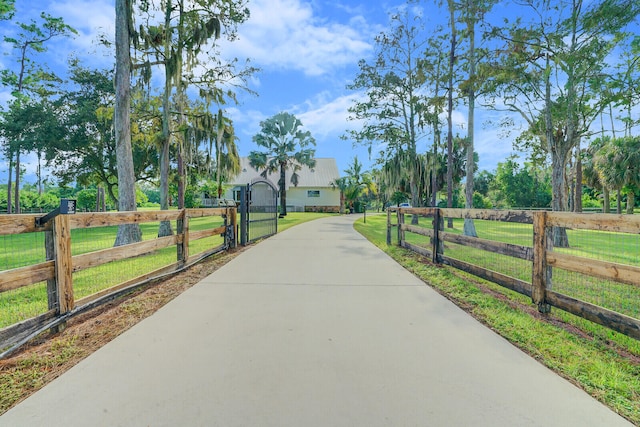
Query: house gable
{"points": [[314, 191]]}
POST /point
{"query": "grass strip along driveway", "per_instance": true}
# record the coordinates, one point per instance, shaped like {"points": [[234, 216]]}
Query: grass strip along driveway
{"points": [[602, 362]]}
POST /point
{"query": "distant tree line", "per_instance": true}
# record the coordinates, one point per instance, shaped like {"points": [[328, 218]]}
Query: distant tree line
{"points": [[562, 76]]}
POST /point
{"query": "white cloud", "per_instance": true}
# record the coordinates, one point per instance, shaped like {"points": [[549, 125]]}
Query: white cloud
{"points": [[89, 17], [285, 34], [5, 97], [325, 116], [93, 19], [246, 123]]}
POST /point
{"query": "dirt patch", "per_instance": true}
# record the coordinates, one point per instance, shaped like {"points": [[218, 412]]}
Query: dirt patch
{"points": [[49, 356]]}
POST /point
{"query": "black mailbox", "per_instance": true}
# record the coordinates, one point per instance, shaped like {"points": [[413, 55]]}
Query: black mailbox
{"points": [[67, 206]]}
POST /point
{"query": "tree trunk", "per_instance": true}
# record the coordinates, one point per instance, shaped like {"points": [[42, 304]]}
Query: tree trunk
{"points": [[218, 165], [619, 202], [181, 180], [9, 184], [434, 172], [606, 200], [452, 59], [469, 226], [181, 101], [39, 173], [436, 140], [127, 233], [415, 199], [630, 202], [16, 193], [283, 191], [165, 226], [558, 161], [578, 196], [559, 203]]}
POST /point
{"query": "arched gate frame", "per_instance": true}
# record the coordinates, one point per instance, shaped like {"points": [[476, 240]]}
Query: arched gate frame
{"points": [[258, 211]]}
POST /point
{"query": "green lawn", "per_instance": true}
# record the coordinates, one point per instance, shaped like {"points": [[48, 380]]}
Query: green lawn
{"points": [[594, 359], [27, 249], [621, 248]]}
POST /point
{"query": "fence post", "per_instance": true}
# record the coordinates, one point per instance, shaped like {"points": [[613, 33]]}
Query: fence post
{"points": [[400, 230], [388, 227], [437, 246], [234, 224], [540, 277], [183, 237], [63, 264]]}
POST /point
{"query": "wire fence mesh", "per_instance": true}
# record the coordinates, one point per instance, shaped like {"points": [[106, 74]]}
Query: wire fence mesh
{"points": [[620, 248], [21, 250], [28, 249], [590, 245], [504, 232]]}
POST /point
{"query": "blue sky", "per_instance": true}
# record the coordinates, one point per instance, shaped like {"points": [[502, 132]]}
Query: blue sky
{"points": [[308, 51]]}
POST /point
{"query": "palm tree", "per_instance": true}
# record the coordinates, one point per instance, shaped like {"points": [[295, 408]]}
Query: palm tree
{"points": [[341, 184], [358, 183], [609, 161], [591, 178], [286, 147], [629, 149]]}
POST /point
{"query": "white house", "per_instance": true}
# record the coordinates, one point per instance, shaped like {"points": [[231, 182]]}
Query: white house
{"points": [[314, 192]]}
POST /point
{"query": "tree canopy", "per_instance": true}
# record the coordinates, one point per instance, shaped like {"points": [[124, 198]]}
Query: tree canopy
{"points": [[286, 146]]}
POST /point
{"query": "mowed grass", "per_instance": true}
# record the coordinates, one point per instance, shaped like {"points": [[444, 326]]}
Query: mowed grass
{"points": [[602, 362]]}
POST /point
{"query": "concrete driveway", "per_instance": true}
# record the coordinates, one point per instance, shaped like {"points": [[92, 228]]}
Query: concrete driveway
{"points": [[312, 327]]}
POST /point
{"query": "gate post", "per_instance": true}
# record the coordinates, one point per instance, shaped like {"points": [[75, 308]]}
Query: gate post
{"points": [[244, 214], [234, 225]]}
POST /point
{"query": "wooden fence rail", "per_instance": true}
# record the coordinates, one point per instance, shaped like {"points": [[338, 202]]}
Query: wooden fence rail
{"points": [[60, 265], [541, 256]]}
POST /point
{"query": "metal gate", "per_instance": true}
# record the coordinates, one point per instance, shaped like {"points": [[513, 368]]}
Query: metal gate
{"points": [[258, 211]]}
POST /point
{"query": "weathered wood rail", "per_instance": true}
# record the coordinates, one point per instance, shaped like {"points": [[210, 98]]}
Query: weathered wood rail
{"points": [[541, 255], [57, 271]]}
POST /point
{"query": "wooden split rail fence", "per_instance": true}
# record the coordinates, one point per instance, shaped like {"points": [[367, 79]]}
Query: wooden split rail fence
{"points": [[60, 265], [541, 257]]}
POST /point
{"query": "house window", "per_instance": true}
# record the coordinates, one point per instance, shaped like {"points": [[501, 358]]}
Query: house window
{"points": [[313, 193]]}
